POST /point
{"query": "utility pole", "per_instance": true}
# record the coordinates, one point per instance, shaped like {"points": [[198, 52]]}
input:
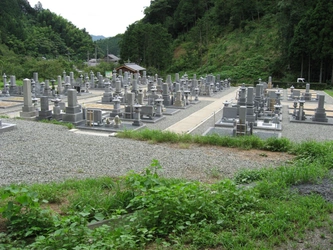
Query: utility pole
{"points": [[107, 53]]}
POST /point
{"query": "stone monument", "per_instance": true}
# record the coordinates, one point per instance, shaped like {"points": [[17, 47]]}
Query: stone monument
{"points": [[28, 110], [320, 114], [45, 112], [73, 113]]}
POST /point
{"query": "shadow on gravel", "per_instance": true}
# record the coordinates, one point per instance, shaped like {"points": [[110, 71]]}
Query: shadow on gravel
{"points": [[323, 188]]}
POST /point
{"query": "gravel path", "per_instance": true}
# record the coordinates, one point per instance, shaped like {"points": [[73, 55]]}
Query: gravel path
{"points": [[38, 152]]}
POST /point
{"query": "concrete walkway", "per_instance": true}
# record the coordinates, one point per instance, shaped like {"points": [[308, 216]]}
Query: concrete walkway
{"points": [[194, 120]]}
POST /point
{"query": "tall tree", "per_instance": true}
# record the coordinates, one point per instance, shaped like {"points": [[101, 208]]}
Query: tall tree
{"points": [[147, 44]]}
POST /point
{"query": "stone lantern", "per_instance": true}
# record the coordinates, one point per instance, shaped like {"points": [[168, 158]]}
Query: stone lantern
{"points": [[56, 108], [53, 87], [137, 110], [186, 93], [159, 107], [196, 94]]}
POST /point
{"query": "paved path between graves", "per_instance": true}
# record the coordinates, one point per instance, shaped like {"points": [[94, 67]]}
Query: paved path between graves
{"points": [[194, 120]]}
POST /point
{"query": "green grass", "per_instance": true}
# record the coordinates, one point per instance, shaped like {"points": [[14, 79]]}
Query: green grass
{"points": [[18, 83], [244, 142], [329, 92], [150, 211], [55, 122]]}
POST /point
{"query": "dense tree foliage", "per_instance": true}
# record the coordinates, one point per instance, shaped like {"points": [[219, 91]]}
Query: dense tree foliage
{"points": [[305, 31], [34, 34], [286, 38], [313, 39], [39, 32], [109, 45], [147, 44]]}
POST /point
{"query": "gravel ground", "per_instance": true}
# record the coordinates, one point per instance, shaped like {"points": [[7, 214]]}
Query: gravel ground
{"points": [[39, 152]]}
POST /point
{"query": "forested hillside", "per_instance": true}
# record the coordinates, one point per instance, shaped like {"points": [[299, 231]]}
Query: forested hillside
{"points": [[241, 39], [35, 39]]}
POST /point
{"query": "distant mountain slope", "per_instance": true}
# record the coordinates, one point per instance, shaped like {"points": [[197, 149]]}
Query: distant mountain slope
{"points": [[95, 38]]}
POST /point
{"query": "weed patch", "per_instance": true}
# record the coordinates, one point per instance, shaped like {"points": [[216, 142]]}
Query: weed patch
{"points": [[146, 209], [55, 122]]}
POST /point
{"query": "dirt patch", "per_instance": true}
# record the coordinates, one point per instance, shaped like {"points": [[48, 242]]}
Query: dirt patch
{"points": [[324, 188], [319, 238], [3, 227], [179, 51]]}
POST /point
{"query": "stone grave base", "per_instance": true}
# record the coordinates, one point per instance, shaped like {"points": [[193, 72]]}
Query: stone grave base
{"points": [[260, 125], [312, 100], [84, 95], [5, 105], [75, 119], [184, 107], [99, 105], [170, 111], [14, 99], [103, 128], [268, 126], [194, 102], [154, 119], [107, 103], [308, 120], [228, 132], [224, 124], [261, 118], [119, 113], [29, 115], [310, 112], [4, 127]]}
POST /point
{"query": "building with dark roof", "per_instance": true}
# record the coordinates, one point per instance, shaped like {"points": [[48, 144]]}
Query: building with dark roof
{"points": [[112, 58], [131, 67]]}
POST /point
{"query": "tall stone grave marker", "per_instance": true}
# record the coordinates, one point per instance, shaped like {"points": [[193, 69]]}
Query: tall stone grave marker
{"points": [[59, 87], [320, 114], [28, 110]]}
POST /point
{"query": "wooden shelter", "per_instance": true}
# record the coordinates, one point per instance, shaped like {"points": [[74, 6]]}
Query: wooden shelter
{"points": [[130, 67]]}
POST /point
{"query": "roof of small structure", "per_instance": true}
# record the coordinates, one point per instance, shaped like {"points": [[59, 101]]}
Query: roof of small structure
{"points": [[131, 67], [113, 57]]}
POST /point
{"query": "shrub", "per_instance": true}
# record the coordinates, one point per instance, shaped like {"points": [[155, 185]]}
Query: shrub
{"points": [[24, 215], [277, 144]]}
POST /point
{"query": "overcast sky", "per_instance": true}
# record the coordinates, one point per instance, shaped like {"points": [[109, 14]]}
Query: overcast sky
{"points": [[100, 17]]}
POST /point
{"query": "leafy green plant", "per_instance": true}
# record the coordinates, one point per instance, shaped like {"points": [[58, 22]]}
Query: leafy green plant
{"points": [[214, 172], [144, 208], [68, 232], [248, 176], [313, 149], [277, 144], [149, 179], [24, 215]]}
